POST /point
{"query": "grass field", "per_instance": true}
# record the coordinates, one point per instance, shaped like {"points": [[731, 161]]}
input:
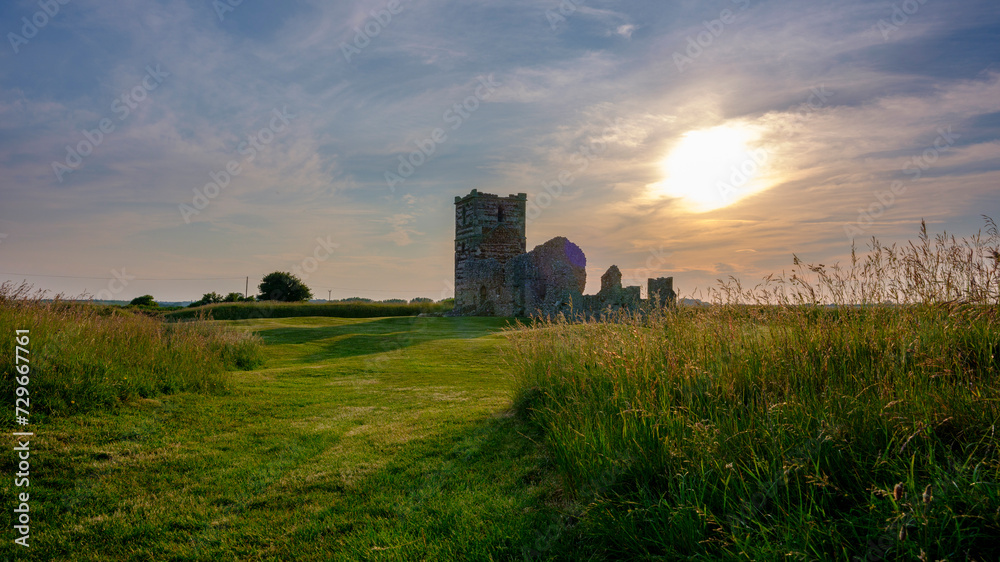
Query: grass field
{"points": [[360, 439], [722, 433], [783, 429], [816, 424], [763, 433], [85, 357]]}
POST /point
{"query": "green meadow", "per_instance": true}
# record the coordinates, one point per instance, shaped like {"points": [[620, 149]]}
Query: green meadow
{"points": [[720, 433], [804, 418], [769, 433], [359, 439]]}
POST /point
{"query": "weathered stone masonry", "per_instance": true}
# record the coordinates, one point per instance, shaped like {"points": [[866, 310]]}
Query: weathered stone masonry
{"points": [[489, 231], [494, 276]]}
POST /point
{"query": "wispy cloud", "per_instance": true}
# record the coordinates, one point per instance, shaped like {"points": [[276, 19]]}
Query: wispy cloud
{"points": [[560, 89]]}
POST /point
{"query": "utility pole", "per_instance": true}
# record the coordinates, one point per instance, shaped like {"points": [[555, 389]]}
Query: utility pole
{"points": [[246, 292]]}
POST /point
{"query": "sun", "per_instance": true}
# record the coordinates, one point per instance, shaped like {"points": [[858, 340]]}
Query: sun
{"points": [[712, 168]]}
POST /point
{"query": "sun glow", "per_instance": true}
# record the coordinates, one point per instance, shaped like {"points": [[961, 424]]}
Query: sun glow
{"points": [[712, 168]]}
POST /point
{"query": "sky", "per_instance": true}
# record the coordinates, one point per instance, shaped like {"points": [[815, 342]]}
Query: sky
{"points": [[179, 147]]}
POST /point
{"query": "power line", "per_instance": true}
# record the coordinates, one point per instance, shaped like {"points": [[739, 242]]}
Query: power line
{"points": [[207, 279], [129, 278], [378, 291]]}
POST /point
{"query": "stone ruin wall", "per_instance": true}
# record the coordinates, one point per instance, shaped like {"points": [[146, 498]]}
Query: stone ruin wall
{"points": [[488, 228], [662, 288], [494, 276]]}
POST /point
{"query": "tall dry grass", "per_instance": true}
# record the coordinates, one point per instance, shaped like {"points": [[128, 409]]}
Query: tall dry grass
{"points": [[766, 431], [86, 356], [930, 270]]}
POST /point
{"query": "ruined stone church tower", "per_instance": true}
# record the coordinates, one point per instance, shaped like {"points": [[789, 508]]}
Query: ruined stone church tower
{"points": [[495, 276], [486, 227]]}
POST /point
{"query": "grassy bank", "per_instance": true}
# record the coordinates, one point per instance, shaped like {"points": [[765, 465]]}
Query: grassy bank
{"points": [[764, 431], [796, 430], [360, 439], [86, 357], [262, 310]]}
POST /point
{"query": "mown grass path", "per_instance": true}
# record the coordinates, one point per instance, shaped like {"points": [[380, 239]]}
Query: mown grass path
{"points": [[360, 439]]}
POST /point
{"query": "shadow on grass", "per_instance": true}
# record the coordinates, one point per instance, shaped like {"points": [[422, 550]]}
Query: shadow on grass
{"points": [[366, 337], [480, 491]]}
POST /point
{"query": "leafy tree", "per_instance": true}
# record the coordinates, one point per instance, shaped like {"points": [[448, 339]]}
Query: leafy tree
{"points": [[283, 286], [144, 300], [421, 300], [234, 297], [207, 298], [394, 301], [211, 298]]}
